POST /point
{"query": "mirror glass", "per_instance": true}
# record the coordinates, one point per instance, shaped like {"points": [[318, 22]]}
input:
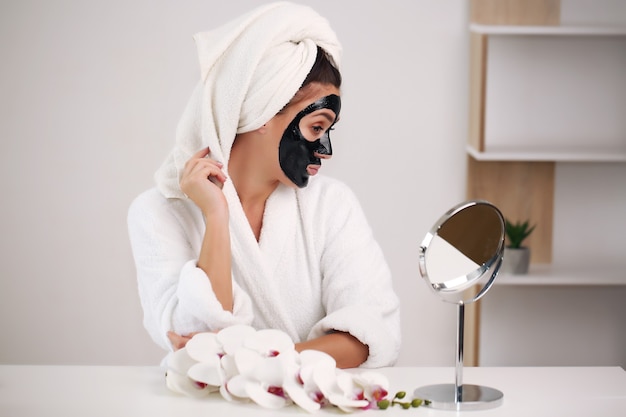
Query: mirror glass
{"points": [[461, 255]]}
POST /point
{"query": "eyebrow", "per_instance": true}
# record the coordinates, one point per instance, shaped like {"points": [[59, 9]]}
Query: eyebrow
{"points": [[330, 118]]}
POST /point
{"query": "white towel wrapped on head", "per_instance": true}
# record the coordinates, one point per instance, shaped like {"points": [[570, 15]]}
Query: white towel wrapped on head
{"points": [[250, 69]]}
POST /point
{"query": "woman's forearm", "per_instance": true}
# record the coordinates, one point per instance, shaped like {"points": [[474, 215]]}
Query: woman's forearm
{"points": [[347, 350], [215, 259]]}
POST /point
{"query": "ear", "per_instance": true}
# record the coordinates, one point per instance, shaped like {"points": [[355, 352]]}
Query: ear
{"points": [[262, 130]]}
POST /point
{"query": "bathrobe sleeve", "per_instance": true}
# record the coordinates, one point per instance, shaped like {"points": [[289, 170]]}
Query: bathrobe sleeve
{"points": [[175, 294], [357, 290]]}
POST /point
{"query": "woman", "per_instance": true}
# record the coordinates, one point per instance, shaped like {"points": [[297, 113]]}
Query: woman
{"points": [[240, 229]]}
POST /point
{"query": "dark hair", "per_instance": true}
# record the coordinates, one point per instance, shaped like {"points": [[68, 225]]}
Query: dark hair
{"points": [[323, 71]]}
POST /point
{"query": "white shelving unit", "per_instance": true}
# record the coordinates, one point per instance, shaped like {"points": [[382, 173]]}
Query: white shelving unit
{"points": [[587, 153], [548, 30], [547, 142], [553, 93], [570, 275]]}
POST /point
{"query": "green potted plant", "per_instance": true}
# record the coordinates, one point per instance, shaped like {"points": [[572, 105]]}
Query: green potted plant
{"points": [[516, 256]]}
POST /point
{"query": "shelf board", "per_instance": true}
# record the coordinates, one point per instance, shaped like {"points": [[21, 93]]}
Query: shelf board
{"points": [[578, 154], [571, 275], [548, 30]]}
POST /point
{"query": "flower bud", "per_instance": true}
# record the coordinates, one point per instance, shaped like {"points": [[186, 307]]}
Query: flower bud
{"points": [[383, 404]]}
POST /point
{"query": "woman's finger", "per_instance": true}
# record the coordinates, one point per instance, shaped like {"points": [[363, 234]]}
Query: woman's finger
{"points": [[201, 154], [195, 162], [207, 169], [204, 162]]}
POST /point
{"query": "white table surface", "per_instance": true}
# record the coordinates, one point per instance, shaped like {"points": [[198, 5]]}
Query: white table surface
{"points": [[92, 391]]}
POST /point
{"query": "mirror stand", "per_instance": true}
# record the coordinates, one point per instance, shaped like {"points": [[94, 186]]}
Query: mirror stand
{"points": [[458, 396], [459, 259]]}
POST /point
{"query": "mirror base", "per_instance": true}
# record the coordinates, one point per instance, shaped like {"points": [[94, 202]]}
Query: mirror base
{"points": [[473, 397]]}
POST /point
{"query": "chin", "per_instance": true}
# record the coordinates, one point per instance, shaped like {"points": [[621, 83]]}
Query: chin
{"points": [[301, 182]]}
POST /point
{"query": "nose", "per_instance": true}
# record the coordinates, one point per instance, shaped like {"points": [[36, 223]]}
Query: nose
{"points": [[325, 148]]}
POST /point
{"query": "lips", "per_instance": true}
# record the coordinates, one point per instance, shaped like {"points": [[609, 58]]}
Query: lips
{"points": [[312, 169]]}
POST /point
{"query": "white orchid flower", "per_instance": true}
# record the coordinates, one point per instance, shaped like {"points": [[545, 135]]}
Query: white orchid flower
{"points": [[300, 384], [262, 366], [232, 338], [263, 362], [375, 386], [205, 349], [176, 377]]}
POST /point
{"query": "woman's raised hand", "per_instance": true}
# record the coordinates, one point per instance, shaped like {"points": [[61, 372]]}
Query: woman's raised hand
{"points": [[202, 181]]}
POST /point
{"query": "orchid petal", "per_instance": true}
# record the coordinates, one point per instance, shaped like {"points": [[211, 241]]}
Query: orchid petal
{"points": [[203, 346], [270, 342], [236, 386], [262, 397], [229, 366], [371, 378], [304, 394], [346, 404], [325, 377], [270, 371], [309, 360], [231, 338], [247, 361], [228, 396], [209, 373], [345, 383], [181, 384], [375, 385], [299, 395], [311, 357], [180, 361], [291, 371]]}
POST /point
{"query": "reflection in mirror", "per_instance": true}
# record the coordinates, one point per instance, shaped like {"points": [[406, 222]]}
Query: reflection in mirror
{"points": [[461, 255], [459, 259]]}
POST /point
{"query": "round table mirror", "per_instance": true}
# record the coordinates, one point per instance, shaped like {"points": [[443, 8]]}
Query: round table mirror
{"points": [[459, 260], [461, 255]]}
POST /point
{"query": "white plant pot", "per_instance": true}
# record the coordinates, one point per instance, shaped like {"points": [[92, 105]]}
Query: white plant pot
{"points": [[515, 261]]}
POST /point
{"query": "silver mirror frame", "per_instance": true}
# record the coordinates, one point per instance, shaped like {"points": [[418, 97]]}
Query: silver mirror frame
{"points": [[447, 291]]}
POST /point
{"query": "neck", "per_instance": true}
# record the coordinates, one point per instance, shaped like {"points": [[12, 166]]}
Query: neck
{"points": [[249, 174]]}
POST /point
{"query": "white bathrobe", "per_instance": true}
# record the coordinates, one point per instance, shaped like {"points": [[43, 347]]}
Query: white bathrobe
{"points": [[316, 268]]}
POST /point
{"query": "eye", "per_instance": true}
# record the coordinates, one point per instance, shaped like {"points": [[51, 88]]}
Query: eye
{"points": [[321, 129]]}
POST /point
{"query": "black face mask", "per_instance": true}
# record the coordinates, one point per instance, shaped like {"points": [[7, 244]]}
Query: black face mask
{"points": [[295, 152]]}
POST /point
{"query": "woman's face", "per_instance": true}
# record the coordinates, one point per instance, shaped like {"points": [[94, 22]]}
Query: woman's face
{"points": [[305, 141]]}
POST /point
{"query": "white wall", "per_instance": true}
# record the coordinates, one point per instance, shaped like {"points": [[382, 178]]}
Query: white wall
{"points": [[91, 93]]}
